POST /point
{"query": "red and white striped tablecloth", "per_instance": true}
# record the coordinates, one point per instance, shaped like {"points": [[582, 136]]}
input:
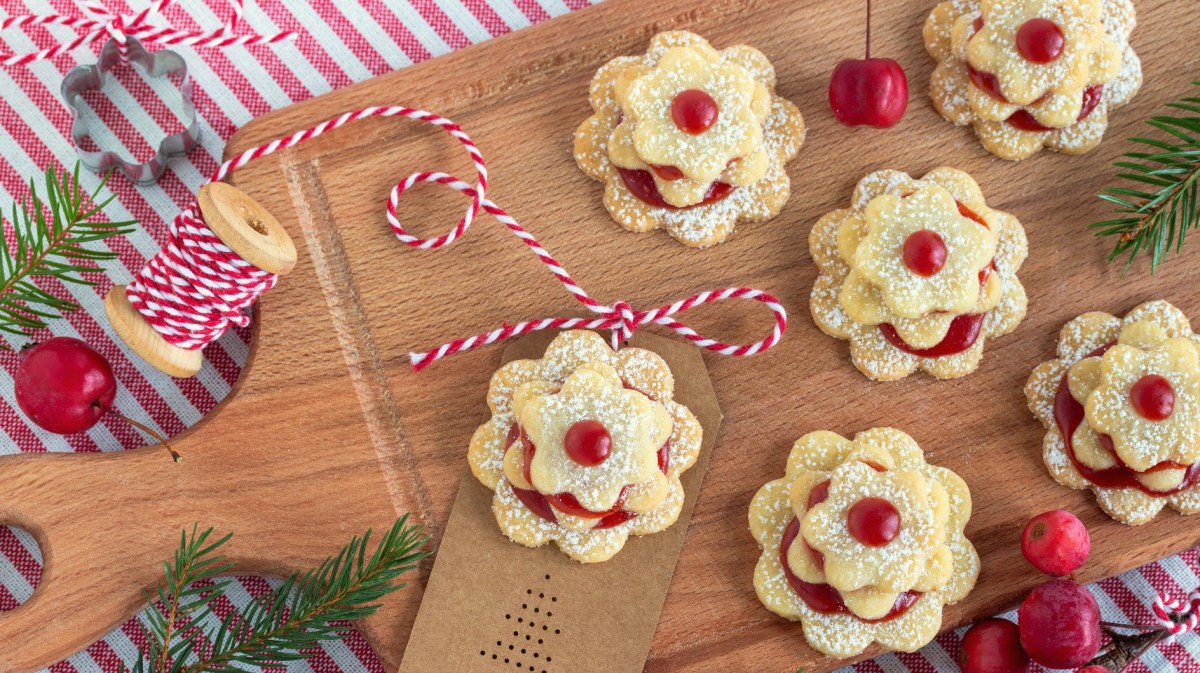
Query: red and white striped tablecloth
{"points": [[339, 43]]}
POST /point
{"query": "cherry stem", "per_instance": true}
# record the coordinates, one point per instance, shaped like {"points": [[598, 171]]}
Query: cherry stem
{"points": [[868, 29], [161, 440]]}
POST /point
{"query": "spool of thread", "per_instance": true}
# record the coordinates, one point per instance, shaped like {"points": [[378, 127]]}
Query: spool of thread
{"points": [[192, 291]]}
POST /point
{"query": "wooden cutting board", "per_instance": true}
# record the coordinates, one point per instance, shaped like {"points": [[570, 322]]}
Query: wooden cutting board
{"points": [[330, 432]]}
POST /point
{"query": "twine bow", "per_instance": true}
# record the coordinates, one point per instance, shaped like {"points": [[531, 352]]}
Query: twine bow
{"points": [[621, 318], [97, 22], [185, 320]]}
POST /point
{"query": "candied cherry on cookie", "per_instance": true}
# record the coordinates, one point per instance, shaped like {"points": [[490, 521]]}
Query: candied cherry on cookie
{"points": [[1028, 74], [1121, 408], [585, 447], [917, 274], [862, 541], [689, 138]]}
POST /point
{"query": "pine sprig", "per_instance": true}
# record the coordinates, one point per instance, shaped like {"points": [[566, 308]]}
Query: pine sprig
{"points": [[1156, 214], [51, 235], [303, 611]]}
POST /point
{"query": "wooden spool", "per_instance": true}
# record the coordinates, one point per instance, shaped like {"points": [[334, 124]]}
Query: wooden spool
{"points": [[242, 224]]}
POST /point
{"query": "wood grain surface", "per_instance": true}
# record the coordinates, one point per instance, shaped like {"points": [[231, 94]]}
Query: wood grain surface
{"points": [[331, 432]]}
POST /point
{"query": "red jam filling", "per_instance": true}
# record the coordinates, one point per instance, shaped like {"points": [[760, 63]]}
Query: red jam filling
{"points": [[990, 84], [668, 173], [924, 252], [964, 330], [588, 443], [1040, 41], [1153, 398], [540, 504], [824, 598], [1021, 119], [1069, 415], [963, 333], [641, 184], [875, 522], [1024, 121], [694, 111]]}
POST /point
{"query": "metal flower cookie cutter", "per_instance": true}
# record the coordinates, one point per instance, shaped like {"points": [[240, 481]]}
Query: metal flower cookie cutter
{"points": [[151, 65]]}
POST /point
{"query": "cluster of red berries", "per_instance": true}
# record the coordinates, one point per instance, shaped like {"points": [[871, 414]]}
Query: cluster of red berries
{"points": [[1058, 624]]}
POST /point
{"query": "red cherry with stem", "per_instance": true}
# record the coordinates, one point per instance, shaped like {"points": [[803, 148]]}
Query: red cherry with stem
{"points": [[1094, 668], [1152, 397], [873, 521], [870, 91], [1060, 624], [993, 646], [65, 386], [1040, 41], [924, 252], [694, 111], [588, 443], [1056, 543]]}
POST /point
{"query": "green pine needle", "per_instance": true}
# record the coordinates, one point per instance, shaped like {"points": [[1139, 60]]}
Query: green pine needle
{"points": [[305, 610], [51, 235], [1161, 204]]}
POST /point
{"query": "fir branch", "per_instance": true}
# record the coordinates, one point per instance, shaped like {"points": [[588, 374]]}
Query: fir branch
{"points": [[51, 235], [1156, 213], [303, 611]]}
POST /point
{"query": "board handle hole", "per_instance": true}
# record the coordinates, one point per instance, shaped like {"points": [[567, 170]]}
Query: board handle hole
{"points": [[19, 548]]}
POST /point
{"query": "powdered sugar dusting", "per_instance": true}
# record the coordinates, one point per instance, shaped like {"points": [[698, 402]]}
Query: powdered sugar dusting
{"points": [[762, 184], [834, 242], [1078, 339], [844, 635], [947, 32], [579, 359]]}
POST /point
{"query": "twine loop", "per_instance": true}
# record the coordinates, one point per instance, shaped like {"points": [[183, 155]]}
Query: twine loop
{"points": [[97, 22], [1177, 615], [196, 287], [621, 318], [629, 322]]}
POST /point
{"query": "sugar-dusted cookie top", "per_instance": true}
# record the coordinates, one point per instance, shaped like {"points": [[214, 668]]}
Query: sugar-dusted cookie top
{"points": [[1028, 74], [585, 447], [1121, 407], [862, 541], [689, 138], [917, 274]]}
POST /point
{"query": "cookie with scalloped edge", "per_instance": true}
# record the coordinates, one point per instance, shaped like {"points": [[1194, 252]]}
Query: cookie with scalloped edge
{"points": [[895, 318], [863, 591], [1100, 358], [695, 185], [588, 504], [1018, 106]]}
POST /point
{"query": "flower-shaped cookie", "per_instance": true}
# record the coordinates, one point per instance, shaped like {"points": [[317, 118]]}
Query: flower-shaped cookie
{"points": [[920, 255], [585, 447], [916, 274], [689, 138], [1121, 407], [1029, 74], [862, 541]]}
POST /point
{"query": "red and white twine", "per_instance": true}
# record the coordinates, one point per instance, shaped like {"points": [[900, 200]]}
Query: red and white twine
{"points": [[99, 22], [1177, 616], [195, 288]]}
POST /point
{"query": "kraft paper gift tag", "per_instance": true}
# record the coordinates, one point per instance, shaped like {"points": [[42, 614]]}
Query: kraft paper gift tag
{"points": [[492, 605]]}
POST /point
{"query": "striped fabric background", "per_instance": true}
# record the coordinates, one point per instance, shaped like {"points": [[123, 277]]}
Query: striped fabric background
{"points": [[339, 43]]}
